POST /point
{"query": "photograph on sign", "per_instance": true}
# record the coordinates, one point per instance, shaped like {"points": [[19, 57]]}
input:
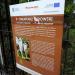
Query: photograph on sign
{"points": [[22, 48]]}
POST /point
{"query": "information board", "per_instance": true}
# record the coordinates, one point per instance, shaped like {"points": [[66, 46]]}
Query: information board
{"points": [[37, 34]]}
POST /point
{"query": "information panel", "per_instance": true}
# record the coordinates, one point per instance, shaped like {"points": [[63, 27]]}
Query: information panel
{"points": [[37, 34]]}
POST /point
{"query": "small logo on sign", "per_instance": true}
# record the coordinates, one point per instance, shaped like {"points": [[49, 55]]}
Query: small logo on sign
{"points": [[13, 9], [56, 4]]}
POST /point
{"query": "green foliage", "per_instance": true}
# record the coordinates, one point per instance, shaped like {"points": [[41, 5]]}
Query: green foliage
{"points": [[69, 6], [69, 15], [68, 52]]}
